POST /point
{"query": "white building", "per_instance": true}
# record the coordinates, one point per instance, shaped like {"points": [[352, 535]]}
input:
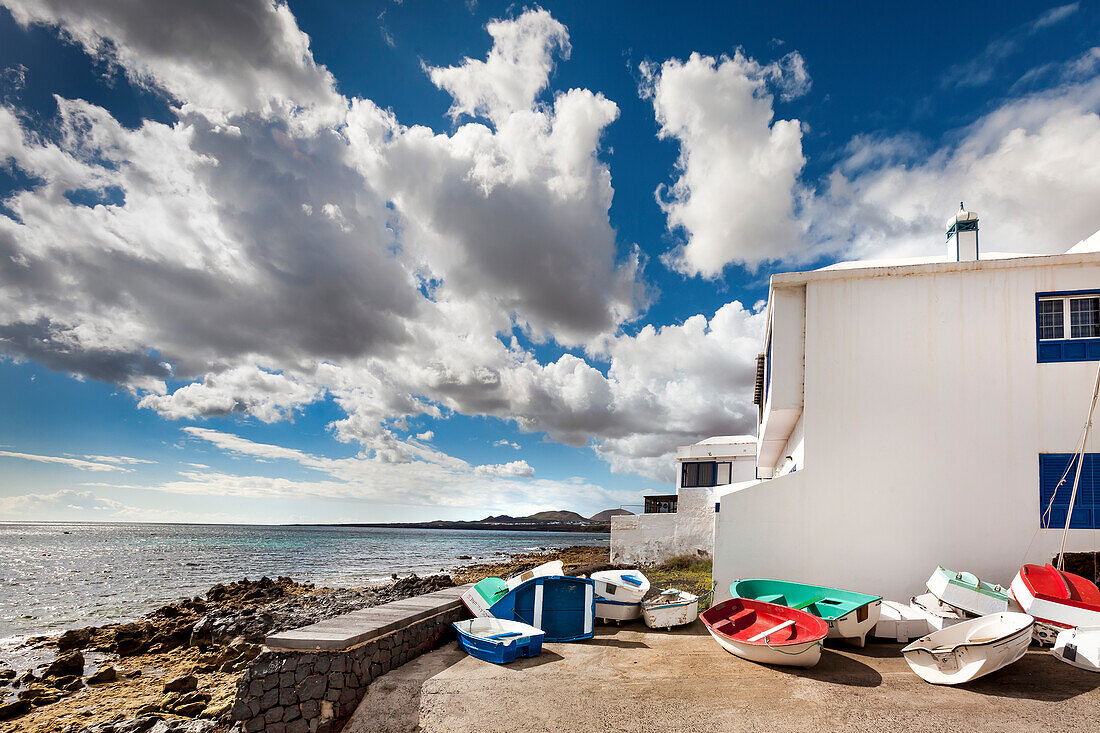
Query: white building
{"points": [[683, 524], [918, 414]]}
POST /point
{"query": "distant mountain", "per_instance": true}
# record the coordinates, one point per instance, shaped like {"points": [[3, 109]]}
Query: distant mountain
{"points": [[559, 516], [607, 514], [500, 519]]}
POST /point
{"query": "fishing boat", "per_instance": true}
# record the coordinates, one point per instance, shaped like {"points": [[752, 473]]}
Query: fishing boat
{"points": [[970, 650], [849, 615], [480, 598], [498, 640], [964, 591], [1079, 647], [1057, 599], [625, 586], [768, 633], [554, 567], [671, 607], [938, 614], [563, 607], [617, 611]]}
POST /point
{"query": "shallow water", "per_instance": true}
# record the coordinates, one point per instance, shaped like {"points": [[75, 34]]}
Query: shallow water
{"points": [[55, 576]]}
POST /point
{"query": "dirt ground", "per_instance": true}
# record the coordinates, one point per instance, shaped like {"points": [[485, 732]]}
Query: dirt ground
{"points": [[634, 679]]}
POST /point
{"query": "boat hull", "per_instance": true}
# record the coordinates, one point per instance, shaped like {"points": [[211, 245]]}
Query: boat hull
{"points": [[901, 622], [939, 615], [563, 607], [616, 611], [1052, 614], [665, 613], [625, 586], [967, 593], [554, 567], [972, 649], [800, 655], [850, 615], [514, 640], [1079, 647], [767, 633], [480, 599]]}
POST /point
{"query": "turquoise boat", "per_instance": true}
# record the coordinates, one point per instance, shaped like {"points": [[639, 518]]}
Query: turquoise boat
{"points": [[849, 615]]}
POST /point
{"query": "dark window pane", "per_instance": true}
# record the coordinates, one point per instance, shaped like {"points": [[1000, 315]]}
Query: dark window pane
{"points": [[1051, 319], [1084, 318], [706, 474]]}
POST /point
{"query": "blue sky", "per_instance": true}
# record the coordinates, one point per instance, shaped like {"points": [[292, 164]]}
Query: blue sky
{"points": [[267, 262]]}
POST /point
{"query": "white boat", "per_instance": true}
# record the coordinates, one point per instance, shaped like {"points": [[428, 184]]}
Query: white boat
{"points": [[554, 567], [964, 591], [670, 608], [901, 622], [971, 649], [939, 615], [617, 611], [1079, 647], [627, 586]]}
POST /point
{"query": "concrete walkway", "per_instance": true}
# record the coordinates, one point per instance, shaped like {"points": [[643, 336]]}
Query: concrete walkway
{"points": [[633, 679]]}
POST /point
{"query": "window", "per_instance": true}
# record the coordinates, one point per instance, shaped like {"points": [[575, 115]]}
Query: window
{"points": [[698, 474], [1086, 508], [660, 504], [1068, 326], [1084, 318], [1050, 319]]}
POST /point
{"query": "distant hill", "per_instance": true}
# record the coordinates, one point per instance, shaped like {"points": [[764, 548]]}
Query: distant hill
{"points": [[607, 514], [558, 516]]}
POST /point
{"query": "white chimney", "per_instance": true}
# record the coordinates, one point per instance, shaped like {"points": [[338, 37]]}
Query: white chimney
{"points": [[962, 236]]}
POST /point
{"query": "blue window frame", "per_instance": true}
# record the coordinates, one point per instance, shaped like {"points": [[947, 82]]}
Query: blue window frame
{"points": [[1086, 509], [1067, 326]]}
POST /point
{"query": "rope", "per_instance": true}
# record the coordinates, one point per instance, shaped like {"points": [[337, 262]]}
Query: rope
{"points": [[792, 654]]}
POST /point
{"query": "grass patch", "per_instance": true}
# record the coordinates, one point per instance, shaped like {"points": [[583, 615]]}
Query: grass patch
{"points": [[685, 572]]}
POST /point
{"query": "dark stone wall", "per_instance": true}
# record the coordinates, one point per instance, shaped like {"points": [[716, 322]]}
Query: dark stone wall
{"points": [[317, 691]]}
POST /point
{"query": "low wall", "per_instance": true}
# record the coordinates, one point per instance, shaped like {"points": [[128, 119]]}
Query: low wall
{"points": [[649, 539], [310, 680]]}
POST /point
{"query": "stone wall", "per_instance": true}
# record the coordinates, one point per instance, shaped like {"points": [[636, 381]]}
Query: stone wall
{"points": [[316, 691]]}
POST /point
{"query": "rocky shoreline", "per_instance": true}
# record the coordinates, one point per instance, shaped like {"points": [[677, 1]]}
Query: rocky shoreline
{"points": [[176, 670]]}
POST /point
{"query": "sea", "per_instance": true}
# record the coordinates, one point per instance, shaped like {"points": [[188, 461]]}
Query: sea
{"points": [[56, 576]]}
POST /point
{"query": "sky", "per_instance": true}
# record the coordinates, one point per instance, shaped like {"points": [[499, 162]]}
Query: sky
{"points": [[320, 261]]}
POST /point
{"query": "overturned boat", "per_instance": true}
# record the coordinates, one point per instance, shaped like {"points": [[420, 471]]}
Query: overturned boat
{"points": [[901, 622], [768, 633], [483, 595], [1079, 647], [563, 607], [623, 586], [1057, 599], [849, 615], [964, 591], [554, 567], [971, 649], [498, 640], [669, 608]]}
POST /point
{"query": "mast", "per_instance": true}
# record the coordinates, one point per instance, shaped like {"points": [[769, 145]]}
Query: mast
{"points": [[1080, 464]]}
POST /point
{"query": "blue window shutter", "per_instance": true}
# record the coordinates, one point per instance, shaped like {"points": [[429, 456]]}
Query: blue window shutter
{"points": [[1085, 514]]}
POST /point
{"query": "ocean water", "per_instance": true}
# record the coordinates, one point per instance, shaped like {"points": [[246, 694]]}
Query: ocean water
{"points": [[55, 576]]}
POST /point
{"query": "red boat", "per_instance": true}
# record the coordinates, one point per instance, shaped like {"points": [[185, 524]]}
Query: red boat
{"points": [[766, 632], [1056, 598]]}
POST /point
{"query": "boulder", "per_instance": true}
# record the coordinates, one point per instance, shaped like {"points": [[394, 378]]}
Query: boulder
{"points": [[68, 664], [103, 675], [182, 684], [14, 709]]}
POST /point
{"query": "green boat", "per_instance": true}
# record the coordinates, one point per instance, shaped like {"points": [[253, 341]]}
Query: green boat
{"points": [[850, 615], [482, 596]]}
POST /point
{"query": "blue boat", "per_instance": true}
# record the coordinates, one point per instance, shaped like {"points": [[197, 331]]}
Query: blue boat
{"points": [[563, 607], [498, 640]]}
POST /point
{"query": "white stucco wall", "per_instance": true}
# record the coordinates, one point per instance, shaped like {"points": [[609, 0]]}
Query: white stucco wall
{"points": [[924, 414]]}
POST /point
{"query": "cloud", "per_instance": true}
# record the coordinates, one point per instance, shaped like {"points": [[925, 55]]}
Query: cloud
{"points": [[982, 68], [99, 464], [736, 193], [516, 70], [123, 460], [215, 58], [244, 390], [60, 506], [426, 436], [512, 469], [503, 443]]}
